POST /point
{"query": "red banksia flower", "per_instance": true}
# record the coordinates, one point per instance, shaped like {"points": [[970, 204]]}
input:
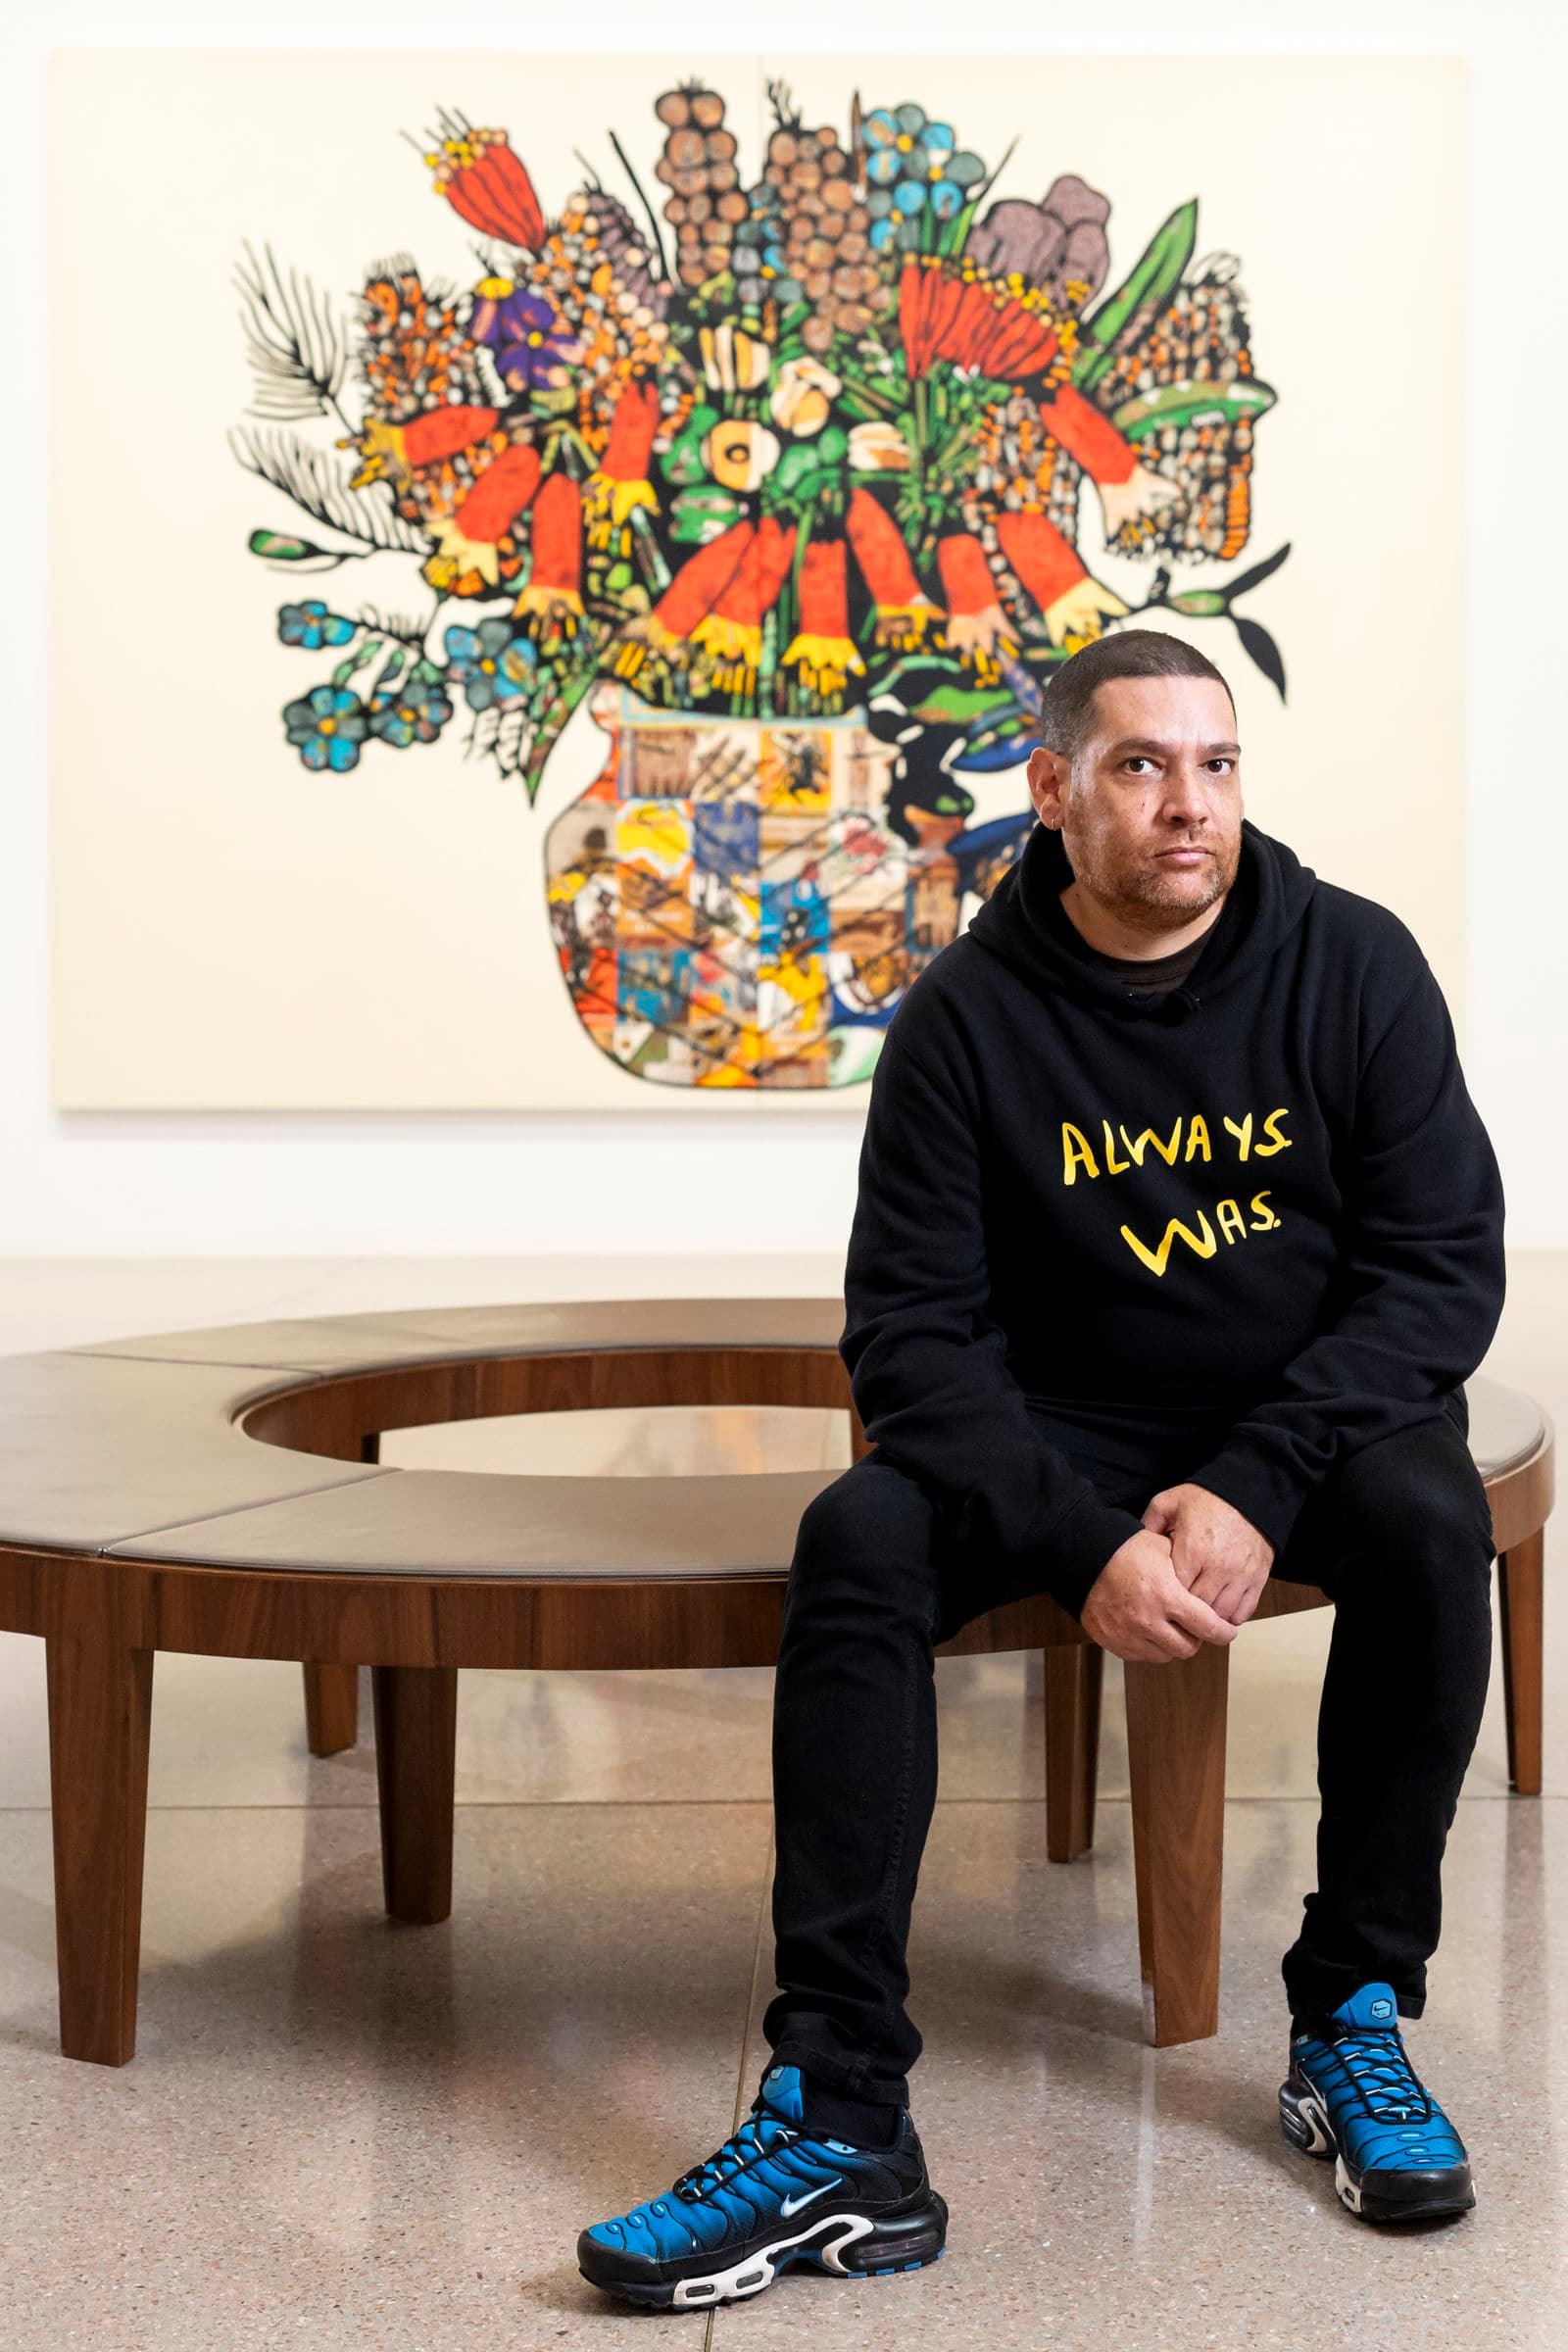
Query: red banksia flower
{"points": [[1039, 553], [688, 600], [697, 586], [903, 613], [486, 185], [439, 433], [977, 626], [552, 596], [948, 311], [732, 632], [503, 492], [822, 648], [619, 487], [631, 432]]}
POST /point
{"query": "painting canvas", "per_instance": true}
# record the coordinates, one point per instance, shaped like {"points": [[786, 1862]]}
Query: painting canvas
{"points": [[587, 538]]}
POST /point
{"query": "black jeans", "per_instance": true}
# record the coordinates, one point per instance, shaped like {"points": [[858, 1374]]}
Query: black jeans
{"points": [[1399, 1537]]}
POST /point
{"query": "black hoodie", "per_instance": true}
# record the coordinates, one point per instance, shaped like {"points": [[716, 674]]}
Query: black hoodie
{"points": [[1252, 1224]]}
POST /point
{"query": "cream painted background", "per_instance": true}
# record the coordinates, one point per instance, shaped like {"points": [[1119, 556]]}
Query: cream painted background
{"points": [[231, 931]]}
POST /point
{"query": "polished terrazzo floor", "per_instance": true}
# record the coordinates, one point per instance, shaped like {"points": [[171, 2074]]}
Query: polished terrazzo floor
{"points": [[337, 2132]]}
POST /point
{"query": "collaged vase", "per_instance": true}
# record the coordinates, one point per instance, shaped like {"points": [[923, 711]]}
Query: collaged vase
{"points": [[731, 904]]}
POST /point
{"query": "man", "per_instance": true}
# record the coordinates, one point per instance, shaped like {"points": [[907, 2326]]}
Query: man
{"points": [[1177, 1237]]}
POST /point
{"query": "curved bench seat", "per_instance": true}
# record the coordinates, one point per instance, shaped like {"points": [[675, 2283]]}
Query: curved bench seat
{"points": [[218, 1491]]}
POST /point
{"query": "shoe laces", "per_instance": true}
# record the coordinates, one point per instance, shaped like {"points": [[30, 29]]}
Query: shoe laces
{"points": [[732, 2156], [1377, 2065]]}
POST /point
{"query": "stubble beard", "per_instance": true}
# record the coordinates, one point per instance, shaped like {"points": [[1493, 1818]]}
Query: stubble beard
{"points": [[1138, 889]]}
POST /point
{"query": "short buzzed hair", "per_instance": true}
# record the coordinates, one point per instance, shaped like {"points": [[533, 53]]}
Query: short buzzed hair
{"points": [[1067, 715]]}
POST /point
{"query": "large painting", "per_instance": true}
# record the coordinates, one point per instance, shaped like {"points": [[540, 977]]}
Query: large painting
{"points": [[717, 499]]}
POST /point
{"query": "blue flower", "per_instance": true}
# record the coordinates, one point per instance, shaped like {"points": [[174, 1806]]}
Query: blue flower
{"points": [[326, 727], [902, 144], [313, 625], [490, 663], [895, 215], [414, 713]]}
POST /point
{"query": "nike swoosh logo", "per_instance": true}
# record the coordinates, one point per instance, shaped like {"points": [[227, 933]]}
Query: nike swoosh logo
{"points": [[793, 2204]]}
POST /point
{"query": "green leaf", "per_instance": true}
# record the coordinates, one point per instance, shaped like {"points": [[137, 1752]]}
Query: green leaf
{"points": [[698, 516], [356, 661], [1191, 401], [280, 547], [572, 689], [1156, 271], [392, 672], [959, 705]]}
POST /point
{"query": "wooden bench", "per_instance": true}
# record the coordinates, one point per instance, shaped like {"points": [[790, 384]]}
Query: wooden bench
{"points": [[218, 1492]]}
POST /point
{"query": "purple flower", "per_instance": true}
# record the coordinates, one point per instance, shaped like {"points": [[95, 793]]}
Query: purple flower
{"points": [[1062, 236], [528, 335]]}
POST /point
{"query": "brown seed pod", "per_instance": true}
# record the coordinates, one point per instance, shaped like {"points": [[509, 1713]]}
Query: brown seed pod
{"points": [[782, 148], [806, 175], [818, 333], [733, 206], [685, 147], [722, 176], [708, 109], [689, 181], [852, 246], [837, 195], [818, 254], [720, 146], [698, 208], [817, 283], [673, 108]]}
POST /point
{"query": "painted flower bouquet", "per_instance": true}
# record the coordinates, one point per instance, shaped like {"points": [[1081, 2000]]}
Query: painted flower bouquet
{"points": [[784, 481], [809, 444]]}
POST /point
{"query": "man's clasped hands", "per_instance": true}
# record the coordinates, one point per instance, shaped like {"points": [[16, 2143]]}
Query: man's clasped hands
{"points": [[1195, 1575]]}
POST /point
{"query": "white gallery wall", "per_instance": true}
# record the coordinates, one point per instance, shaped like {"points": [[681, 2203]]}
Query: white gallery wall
{"points": [[81, 1184]]}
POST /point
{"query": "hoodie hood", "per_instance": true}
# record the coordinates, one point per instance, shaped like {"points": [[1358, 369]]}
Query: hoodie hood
{"points": [[1025, 926]]}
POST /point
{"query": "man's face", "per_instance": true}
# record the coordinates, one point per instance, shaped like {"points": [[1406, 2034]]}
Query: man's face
{"points": [[1161, 775]]}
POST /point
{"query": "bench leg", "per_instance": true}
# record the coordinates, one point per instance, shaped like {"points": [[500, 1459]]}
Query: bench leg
{"points": [[100, 1716], [1074, 1673], [332, 1692], [1176, 1761], [331, 1708], [416, 1744], [1520, 1608]]}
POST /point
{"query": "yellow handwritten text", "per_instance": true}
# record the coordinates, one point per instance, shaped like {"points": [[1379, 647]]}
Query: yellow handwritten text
{"points": [[1078, 1153], [1204, 1243]]}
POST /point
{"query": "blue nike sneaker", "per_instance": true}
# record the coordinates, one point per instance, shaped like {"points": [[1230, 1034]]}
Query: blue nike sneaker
{"points": [[1351, 2093], [771, 2196]]}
